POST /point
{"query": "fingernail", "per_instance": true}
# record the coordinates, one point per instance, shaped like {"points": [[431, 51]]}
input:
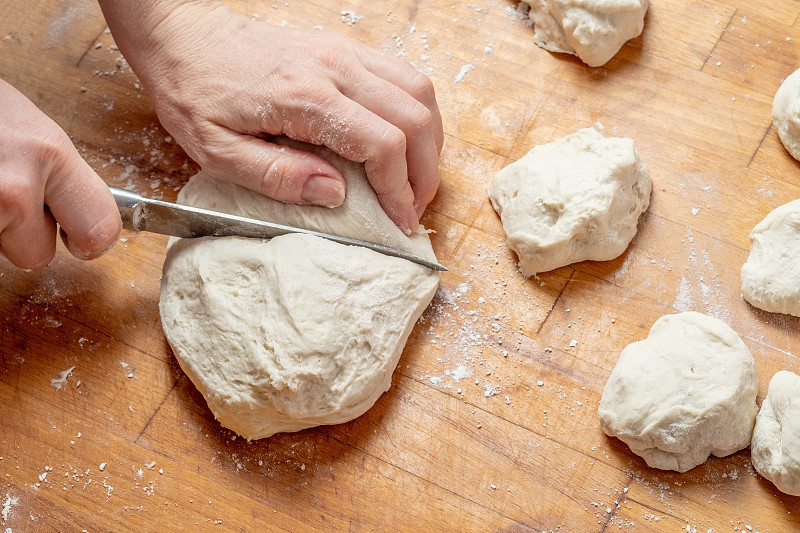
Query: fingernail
{"points": [[83, 254], [324, 191]]}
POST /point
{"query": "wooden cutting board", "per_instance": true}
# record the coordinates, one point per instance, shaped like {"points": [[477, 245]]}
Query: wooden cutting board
{"points": [[491, 423]]}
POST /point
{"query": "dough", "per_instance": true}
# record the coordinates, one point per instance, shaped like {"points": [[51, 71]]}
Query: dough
{"points": [[297, 331], [786, 113], [688, 390], [593, 30], [574, 199], [771, 275], [776, 437]]}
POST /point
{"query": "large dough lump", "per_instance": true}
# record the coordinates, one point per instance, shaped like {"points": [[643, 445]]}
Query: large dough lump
{"points": [[776, 437], [771, 275], [688, 390], [593, 30], [574, 199], [297, 331]]}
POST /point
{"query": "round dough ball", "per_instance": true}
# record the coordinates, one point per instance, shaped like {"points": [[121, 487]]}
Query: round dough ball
{"points": [[574, 199], [297, 331], [688, 390], [593, 30], [776, 437], [786, 113], [771, 274]]}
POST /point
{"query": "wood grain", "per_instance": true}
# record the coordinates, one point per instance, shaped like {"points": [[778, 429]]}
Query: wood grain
{"points": [[491, 422]]}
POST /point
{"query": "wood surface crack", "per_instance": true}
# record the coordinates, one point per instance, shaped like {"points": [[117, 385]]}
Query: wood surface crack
{"points": [[613, 513], [158, 409], [89, 49], [753, 156], [711, 53], [662, 512], [550, 311]]}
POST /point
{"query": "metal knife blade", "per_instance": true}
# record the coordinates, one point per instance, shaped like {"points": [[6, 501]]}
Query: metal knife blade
{"points": [[143, 214]]}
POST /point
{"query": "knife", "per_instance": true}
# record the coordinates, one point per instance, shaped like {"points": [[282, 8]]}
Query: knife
{"points": [[143, 214]]}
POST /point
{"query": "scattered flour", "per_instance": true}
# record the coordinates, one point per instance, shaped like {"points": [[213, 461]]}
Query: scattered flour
{"points": [[463, 72], [350, 17], [8, 503], [61, 380]]}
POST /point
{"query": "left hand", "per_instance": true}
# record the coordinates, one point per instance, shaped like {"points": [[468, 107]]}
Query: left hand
{"points": [[223, 84]]}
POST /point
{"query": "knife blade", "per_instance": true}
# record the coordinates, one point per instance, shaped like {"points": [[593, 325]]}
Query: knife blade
{"points": [[144, 214]]}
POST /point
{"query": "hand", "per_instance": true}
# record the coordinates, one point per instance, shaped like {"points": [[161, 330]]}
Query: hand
{"points": [[44, 181], [223, 84]]}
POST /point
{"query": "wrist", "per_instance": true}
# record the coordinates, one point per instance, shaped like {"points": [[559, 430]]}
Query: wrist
{"points": [[147, 30]]}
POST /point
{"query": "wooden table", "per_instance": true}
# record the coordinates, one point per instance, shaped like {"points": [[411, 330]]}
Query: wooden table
{"points": [[491, 423]]}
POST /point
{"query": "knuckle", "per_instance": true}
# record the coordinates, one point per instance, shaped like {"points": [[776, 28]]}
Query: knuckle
{"points": [[421, 119], [335, 58], [421, 87], [17, 198], [53, 147], [207, 149], [278, 179], [393, 141]]}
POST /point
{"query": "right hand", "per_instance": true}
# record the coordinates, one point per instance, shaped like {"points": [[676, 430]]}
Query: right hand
{"points": [[44, 182]]}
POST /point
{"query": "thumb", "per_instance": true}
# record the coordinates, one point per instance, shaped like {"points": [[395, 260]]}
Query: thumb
{"points": [[84, 208], [280, 172]]}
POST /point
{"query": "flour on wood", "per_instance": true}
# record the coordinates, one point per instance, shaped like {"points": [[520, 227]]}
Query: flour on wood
{"points": [[297, 331]]}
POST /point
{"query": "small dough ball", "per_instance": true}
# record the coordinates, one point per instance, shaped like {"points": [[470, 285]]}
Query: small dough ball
{"points": [[297, 331], [593, 30], [688, 390], [786, 113], [578, 198], [776, 437], [771, 275]]}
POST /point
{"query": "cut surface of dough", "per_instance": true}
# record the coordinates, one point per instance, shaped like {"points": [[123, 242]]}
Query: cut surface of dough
{"points": [[577, 198], [776, 437], [771, 274], [593, 30], [686, 391], [297, 331]]}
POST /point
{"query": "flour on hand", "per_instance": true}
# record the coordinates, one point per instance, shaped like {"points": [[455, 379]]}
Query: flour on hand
{"points": [[578, 198], [771, 275], [297, 331], [593, 30], [688, 390]]}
